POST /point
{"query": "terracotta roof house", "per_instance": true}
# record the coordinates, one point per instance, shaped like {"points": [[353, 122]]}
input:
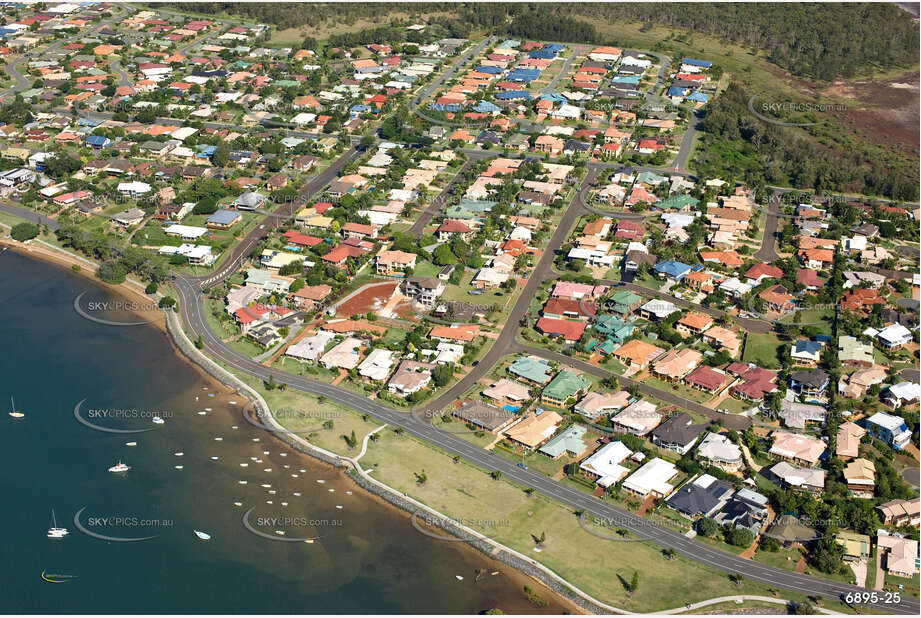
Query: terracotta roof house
{"points": [[723, 339], [756, 381], [569, 330], [848, 440], [777, 300], [636, 353], [900, 512], [706, 379], [534, 430], [676, 364], [861, 300], [693, 324], [797, 448], [568, 308], [760, 271], [900, 555]]}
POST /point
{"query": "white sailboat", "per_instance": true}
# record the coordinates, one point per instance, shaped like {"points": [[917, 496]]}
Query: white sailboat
{"points": [[55, 532], [13, 411], [204, 536]]}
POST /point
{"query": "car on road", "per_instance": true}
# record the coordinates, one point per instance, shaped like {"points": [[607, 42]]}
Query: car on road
{"points": [[523, 466]]}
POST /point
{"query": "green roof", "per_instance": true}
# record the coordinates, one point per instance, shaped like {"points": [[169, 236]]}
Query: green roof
{"points": [[678, 202], [534, 369], [566, 384], [570, 441], [650, 178], [623, 300], [613, 327]]}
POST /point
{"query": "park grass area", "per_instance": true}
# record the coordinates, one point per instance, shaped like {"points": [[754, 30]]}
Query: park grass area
{"points": [[463, 491], [298, 411], [461, 430], [763, 350]]}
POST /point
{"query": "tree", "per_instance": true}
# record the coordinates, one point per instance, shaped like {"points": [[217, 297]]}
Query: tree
{"points": [[221, 156], [167, 302], [496, 474], [741, 537], [828, 555], [24, 231], [443, 256], [442, 374], [707, 527], [635, 582], [151, 288], [270, 384]]}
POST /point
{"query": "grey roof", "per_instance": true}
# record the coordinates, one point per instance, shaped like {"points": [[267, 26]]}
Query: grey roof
{"points": [[699, 499], [678, 430]]}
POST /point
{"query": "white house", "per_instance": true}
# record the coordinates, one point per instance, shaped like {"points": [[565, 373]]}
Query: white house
{"points": [[894, 336]]}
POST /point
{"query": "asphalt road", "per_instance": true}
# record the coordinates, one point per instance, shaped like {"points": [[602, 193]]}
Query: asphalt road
{"points": [[245, 247], [435, 84], [687, 143], [505, 342], [29, 215], [441, 199], [768, 250], [730, 421], [760, 327], [23, 83], [191, 310]]}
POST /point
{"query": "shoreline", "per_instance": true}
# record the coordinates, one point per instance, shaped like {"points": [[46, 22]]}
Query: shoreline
{"points": [[387, 498]]}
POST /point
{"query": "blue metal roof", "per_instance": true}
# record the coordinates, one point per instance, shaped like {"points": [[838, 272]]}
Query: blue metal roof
{"points": [[490, 70], [671, 268], [706, 64], [514, 94]]}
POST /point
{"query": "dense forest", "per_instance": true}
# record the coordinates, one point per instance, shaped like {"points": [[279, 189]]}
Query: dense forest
{"points": [[762, 153], [822, 41]]}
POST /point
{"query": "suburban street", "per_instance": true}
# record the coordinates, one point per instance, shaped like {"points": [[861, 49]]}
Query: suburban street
{"points": [[192, 313]]}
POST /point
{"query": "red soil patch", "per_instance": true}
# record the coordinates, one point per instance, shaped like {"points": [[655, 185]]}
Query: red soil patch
{"points": [[370, 299]]}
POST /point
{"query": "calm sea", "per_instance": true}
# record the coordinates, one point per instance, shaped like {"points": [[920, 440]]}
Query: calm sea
{"points": [[367, 557]]}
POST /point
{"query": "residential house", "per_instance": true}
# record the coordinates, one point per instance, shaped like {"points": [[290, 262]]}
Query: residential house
{"points": [[486, 417], [900, 512], [605, 465], [678, 433], [860, 476], [888, 428], [638, 418], [797, 448], [899, 554], [569, 443], [700, 498], [424, 290], [796, 477], [534, 430], [564, 386], [410, 377], [848, 440], [651, 479], [718, 450], [595, 405]]}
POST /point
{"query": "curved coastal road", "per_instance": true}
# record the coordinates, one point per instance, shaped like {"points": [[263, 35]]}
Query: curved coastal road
{"points": [[192, 312]]}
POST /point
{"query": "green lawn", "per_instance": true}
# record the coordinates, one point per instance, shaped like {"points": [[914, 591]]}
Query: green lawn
{"points": [[763, 350], [463, 491]]}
